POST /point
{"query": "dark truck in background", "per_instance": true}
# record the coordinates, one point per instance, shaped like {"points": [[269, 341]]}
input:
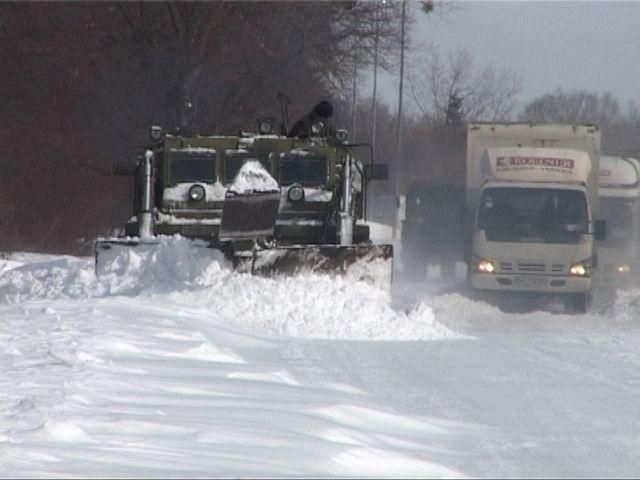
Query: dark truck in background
{"points": [[432, 232]]}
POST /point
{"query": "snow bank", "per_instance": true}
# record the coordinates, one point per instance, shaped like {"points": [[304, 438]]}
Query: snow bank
{"points": [[626, 307], [186, 272]]}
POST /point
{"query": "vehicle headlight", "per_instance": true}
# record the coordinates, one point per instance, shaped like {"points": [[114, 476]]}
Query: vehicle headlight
{"points": [[317, 128], [580, 269], [485, 266], [295, 194], [624, 268], [196, 193], [265, 126], [155, 133]]}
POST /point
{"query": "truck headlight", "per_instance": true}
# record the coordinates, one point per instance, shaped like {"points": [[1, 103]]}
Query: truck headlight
{"points": [[265, 126], [196, 193], [155, 133], [295, 194], [485, 266], [580, 269], [624, 268]]}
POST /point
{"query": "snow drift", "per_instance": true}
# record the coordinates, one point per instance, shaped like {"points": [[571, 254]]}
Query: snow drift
{"points": [[304, 305]]}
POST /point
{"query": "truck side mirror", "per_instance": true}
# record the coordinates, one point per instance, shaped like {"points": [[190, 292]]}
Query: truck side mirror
{"points": [[601, 230], [376, 171]]}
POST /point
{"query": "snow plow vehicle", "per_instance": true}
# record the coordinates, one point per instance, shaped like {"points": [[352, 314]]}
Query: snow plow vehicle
{"points": [[273, 203]]}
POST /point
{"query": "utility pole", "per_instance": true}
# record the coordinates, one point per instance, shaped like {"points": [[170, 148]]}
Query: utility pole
{"points": [[399, 153], [374, 106], [354, 94], [399, 119]]}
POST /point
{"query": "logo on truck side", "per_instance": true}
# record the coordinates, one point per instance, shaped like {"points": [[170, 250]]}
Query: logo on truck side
{"points": [[521, 162]]}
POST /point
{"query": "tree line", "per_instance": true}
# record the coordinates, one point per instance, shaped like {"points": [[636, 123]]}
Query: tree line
{"points": [[83, 81]]}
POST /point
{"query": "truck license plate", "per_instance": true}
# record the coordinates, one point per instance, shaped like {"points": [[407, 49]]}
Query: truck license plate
{"points": [[530, 282]]}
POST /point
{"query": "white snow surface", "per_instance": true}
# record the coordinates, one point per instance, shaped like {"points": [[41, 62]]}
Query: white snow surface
{"points": [[253, 177], [171, 365]]}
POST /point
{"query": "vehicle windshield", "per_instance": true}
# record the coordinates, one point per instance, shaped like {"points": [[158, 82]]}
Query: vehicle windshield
{"points": [[617, 214], [434, 204], [234, 161], [541, 215], [192, 166], [307, 170]]}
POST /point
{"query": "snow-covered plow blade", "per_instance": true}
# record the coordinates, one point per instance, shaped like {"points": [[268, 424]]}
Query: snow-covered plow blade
{"points": [[372, 264], [117, 255], [108, 250]]}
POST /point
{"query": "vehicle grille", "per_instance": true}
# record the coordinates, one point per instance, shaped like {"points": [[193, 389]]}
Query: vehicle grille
{"points": [[532, 267]]}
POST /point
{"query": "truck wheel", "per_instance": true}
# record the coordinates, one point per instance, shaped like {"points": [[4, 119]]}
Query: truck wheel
{"points": [[579, 302]]}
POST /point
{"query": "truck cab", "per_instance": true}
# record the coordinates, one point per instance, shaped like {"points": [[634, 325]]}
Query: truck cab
{"points": [[194, 174], [532, 196], [432, 233]]}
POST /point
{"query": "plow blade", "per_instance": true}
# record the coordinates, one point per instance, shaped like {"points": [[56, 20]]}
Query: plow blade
{"points": [[372, 264], [116, 255], [108, 251]]}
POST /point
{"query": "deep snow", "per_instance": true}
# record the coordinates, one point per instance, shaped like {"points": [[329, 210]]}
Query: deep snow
{"points": [[172, 365]]}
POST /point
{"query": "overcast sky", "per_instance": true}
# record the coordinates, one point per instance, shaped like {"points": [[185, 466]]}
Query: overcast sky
{"points": [[573, 45]]}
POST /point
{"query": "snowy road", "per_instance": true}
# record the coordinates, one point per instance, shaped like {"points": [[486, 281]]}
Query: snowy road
{"points": [[201, 376]]}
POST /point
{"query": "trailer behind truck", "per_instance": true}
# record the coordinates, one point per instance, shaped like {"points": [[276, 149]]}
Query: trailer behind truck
{"points": [[618, 254], [533, 209]]}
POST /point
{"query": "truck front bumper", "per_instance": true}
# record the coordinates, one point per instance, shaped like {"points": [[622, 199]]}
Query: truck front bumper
{"points": [[530, 283]]}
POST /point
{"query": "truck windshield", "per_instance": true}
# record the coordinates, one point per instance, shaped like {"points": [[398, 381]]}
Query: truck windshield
{"points": [[540, 215], [307, 170], [437, 204], [192, 166], [617, 214]]}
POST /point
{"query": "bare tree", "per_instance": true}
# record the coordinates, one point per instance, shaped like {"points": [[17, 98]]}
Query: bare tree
{"points": [[619, 126], [84, 80], [486, 94], [573, 106]]}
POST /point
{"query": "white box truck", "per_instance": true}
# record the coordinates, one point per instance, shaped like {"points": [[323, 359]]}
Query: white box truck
{"points": [[532, 202], [619, 184]]}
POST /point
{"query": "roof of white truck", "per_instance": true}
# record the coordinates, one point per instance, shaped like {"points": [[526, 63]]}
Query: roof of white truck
{"points": [[527, 130], [529, 185]]}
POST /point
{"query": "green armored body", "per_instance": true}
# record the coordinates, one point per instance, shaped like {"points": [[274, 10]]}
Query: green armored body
{"points": [[271, 202]]}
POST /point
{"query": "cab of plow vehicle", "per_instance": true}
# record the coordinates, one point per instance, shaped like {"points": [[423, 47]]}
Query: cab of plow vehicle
{"points": [[193, 174]]}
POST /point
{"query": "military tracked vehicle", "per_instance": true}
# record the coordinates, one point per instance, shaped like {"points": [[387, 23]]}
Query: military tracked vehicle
{"points": [[272, 202]]}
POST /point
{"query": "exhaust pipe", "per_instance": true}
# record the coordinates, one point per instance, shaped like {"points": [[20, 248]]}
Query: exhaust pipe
{"points": [[345, 231], [145, 225]]}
